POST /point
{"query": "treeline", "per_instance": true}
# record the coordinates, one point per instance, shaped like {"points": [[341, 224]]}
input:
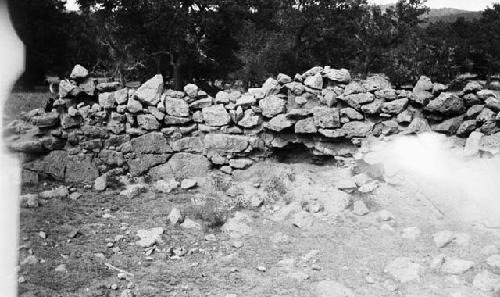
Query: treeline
{"points": [[250, 40]]}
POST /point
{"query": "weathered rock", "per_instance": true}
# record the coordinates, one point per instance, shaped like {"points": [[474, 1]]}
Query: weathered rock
{"points": [[305, 126], [181, 165], [456, 266], [202, 103], [176, 107], [395, 107], [187, 184], [356, 100], [107, 100], [45, 120], [421, 98], [149, 237], [191, 90], [240, 163], [357, 129], [487, 281], [143, 162], [149, 93], [100, 183], [246, 100], [284, 79], [280, 122], [333, 133], [151, 143], [326, 117], [404, 270], [338, 75], [359, 208], [443, 238], [314, 81], [173, 120], [164, 186], [175, 217], [376, 82], [373, 107], [249, 120], [474, 111], [188, 144], [271, 87], [30, 201], [79, 72], [68, 121], [60, 192], [148, 122], [486, 115], [351, 114], [447, 104], [472, 87], [485, 94], [466, 128], [215, 116], [493, 103], [52, 164], [133, 105], [80, 169], [272, 106], [449, 126], [133, 190], [423, 84]]}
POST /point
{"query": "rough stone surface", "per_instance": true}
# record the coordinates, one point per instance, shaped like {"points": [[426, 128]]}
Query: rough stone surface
{"points": [[180, 166]]}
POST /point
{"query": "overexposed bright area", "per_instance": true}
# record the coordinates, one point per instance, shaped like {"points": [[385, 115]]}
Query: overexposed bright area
{"points": [[458, 4]]}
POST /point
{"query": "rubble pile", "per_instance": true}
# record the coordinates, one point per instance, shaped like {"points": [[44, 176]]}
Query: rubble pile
{"points": [[101, 129]]}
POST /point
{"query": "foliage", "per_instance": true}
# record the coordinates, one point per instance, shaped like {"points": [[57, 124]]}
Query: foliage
{"points": [[205, 40]]}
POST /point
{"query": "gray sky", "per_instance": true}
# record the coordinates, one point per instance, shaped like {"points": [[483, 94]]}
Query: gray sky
{"points": [[461, 4]]}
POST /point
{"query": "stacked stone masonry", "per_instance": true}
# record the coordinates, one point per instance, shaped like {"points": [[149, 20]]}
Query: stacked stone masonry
{"points": [[96, 129]]}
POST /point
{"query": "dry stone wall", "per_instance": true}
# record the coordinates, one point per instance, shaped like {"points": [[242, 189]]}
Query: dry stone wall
{"points": [[96, 129]]}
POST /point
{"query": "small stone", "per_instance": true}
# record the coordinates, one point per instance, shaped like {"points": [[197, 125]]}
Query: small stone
{"points": [[114, 287], [494, 261], [443, 238], [237, 244], [303, 220], [21, 280], [210, 237], [456, 266], [100, 183], [166, 186], [404, 270], [175, 216], [261, 268], [384, 216], [190, 224], [360, 208], [127, 293], [75, 196], [487, 281], [187, 184], [61, 268], [411, 233], [42, 235], [149, 237]]}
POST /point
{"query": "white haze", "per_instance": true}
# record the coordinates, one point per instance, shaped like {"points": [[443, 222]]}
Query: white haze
{"points": [[464, 187], [11, 59]]}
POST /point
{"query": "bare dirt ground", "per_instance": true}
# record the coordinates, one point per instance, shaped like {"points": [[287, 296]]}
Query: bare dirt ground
{"points": [[264, 253]]}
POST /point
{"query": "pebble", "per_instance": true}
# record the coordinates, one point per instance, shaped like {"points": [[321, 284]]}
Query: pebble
{"points": [[187, 184], [404, 269], [114, 287], [261, 268], [126, 293], [370, 280], [360, 208], [190, 224], [237, 244], [42, 235], [175, 216], [21, 279], [494, 261], [61, 268], [443, 238], [456, 266], [30, 201], [210, 237], [411, 233], [149, 237], [75, 196], [122, 275], [384, 216], [486, 281]]}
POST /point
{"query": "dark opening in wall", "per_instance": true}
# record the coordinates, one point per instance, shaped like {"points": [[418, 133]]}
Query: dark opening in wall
{"points": [[299, 153]]}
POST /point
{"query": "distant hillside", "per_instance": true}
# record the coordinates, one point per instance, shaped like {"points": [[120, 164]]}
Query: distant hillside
{"points": [[447, 15]]}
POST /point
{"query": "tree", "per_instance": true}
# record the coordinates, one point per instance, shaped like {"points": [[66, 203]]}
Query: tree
{"points": [[39, 25]]}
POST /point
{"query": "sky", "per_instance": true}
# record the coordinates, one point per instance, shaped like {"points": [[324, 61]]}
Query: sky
{"points": [[460, 4]]}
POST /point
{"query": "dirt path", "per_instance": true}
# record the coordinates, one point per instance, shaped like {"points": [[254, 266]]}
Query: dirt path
{"points": [[261, 252]]}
